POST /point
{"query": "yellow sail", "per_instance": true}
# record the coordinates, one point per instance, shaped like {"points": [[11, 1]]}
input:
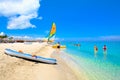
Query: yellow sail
{"points": [[52, 32]]}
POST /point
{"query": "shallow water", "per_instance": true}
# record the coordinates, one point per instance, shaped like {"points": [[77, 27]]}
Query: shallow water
{"points": [[96, 66]]}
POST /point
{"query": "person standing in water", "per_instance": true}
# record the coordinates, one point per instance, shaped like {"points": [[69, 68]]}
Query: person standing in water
{"points": [[105, 51], [104, 48], [95, 51]]}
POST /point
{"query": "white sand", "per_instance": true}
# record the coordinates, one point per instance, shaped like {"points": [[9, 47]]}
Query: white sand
{"points": [[12, 68]]}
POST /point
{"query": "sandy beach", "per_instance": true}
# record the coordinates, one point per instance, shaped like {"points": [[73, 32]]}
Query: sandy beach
{"points": [[12, 68]]}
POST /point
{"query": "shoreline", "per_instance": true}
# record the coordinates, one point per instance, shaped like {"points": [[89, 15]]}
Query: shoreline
{"points": [[73, 65], [12, 68]]}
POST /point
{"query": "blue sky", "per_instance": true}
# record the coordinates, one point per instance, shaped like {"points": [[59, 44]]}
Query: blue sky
{"points": [[74, 19]]}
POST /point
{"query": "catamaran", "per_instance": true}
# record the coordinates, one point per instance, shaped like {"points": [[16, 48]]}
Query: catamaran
{"points": [[51, 37]]}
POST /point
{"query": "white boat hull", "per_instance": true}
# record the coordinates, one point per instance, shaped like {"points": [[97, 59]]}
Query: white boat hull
{"points": [[30, 57]]}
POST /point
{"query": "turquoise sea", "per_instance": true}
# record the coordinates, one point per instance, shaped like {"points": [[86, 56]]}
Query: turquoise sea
{"points": [[96, 66]]}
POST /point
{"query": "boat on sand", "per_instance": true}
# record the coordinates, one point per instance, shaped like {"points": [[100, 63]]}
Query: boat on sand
{"points": [[30, 57]]}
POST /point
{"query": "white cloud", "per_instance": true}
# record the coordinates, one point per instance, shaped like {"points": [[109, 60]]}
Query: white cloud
{"points": [[21, 36], [47, 31], [40, 18], [39, 38], [25, 37], [58, 39], [100, 38], [21, 22], [2, 34], [19, 12], [110, 37]]}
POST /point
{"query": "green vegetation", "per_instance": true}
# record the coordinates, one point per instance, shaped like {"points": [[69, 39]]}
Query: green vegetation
{"points": [[3, 36]]}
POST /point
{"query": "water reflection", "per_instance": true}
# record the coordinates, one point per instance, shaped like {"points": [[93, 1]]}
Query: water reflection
{"points": [[95, 54], [104, 54]]}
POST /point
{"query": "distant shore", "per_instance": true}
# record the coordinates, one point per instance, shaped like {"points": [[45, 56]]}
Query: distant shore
{"points": [[12, 68]]}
